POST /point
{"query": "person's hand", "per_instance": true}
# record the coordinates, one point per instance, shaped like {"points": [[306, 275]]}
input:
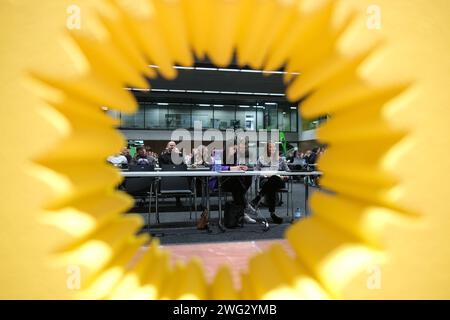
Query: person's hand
{"points": [[243, 167]]}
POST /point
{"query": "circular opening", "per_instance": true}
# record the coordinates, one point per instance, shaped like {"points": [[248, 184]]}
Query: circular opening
{"points": [[103, 241]]}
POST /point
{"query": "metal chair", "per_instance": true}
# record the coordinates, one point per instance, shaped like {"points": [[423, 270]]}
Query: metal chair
{"points": [[141, 187], [174, 186]]}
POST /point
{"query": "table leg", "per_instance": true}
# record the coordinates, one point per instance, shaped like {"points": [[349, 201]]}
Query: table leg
{"points": [[149, 207], [291, 201], [219, 184], [306, 196], [156, 202], [195, 197], [207, 198]]}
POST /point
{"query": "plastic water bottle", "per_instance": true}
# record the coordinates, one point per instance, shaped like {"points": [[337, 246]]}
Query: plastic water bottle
{"points": [[297, 214], [218, 160], [217, 166]]}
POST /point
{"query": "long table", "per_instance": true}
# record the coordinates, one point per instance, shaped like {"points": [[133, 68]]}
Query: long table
{"points": [[201, 172]]}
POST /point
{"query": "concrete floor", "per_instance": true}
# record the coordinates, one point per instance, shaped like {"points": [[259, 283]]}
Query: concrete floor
{"points": [[176, 227]]}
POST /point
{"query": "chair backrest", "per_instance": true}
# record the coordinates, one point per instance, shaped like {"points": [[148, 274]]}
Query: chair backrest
{"points": [[138, 185], [174, 183], [174, 167], [141, 167]]}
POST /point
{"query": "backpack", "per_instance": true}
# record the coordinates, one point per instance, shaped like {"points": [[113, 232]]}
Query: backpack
{"points": [[233, 215]]}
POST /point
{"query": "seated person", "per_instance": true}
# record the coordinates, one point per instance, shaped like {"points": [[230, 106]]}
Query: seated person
{"points": [[297, 157], [126, 153], [269, 185], [313, 156], [170, 155], [238, 186], [200, 156], [141, 158], [297, 161], [118, 160]]}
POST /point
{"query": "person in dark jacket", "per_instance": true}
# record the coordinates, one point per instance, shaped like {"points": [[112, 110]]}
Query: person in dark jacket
{"points": [[237, 185], [142, 158], [313, 156], [170, 155]]}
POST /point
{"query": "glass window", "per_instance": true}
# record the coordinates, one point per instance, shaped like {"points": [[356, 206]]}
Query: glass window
{"points": [[246, 117], [178, 117], [284, 118], [294, 119], [310, 124], [155, 116], [260, 117], [135, 120], [270, 117], [224, 117], [204, 115], [115, 115]]}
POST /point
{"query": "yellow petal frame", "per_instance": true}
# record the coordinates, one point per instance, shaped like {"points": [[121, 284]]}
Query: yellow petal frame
{"points": [[329, 249]]}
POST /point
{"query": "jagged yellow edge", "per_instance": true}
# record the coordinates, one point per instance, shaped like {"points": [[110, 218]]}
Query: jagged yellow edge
{"points": [[329, 248]]}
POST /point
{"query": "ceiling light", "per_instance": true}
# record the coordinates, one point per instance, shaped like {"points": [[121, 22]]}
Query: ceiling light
{"points": [[251, 70], [160, 90], [205, 69], [184, 68], [229, 70]]}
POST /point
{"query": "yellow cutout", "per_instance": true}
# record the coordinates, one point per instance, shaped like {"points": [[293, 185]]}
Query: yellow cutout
{"points": [[330, 253]]}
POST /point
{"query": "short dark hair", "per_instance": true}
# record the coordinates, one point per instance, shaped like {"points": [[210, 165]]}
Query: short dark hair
{"points": [[139, 149]]}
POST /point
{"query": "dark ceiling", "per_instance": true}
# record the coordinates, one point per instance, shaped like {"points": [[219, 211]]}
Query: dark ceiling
{"points": [[222, 81], [249, 86]]}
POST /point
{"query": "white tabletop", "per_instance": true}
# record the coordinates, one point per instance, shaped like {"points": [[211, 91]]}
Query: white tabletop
{"points": [[215, 174], [189, 169]]}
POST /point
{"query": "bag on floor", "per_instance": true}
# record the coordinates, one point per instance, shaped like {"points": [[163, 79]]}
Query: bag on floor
{"points": [[203, 223], [233, 215]]}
